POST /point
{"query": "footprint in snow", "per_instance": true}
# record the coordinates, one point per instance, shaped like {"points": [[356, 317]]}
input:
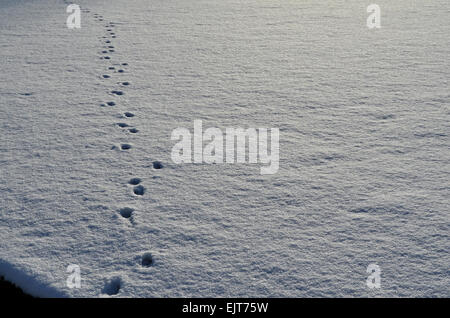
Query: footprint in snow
{"points": [[112, 287], [147, 260], [134, 181], [126, 212], [157, 165], [139, 190]]}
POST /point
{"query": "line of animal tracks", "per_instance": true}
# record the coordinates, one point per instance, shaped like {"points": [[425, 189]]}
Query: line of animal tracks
{"points": [[117, 79]]}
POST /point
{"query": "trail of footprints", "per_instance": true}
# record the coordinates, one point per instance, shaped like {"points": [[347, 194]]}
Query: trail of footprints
{"points": [[114, 284]]}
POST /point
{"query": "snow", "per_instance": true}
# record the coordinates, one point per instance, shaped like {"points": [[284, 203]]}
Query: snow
{"points": [[364, 148]]}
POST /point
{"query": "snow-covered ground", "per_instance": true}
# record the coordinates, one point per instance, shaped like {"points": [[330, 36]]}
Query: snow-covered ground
{"points": [[364, 119]]}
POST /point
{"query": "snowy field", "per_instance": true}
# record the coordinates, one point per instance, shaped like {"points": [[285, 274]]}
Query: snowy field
{"points": [[364, 172]]}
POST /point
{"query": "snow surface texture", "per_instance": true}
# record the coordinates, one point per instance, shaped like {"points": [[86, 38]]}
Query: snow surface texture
{"points": [[364, 148]]}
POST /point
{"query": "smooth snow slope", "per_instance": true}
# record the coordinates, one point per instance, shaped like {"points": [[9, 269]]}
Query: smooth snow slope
{"points": [[364, 148]]}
